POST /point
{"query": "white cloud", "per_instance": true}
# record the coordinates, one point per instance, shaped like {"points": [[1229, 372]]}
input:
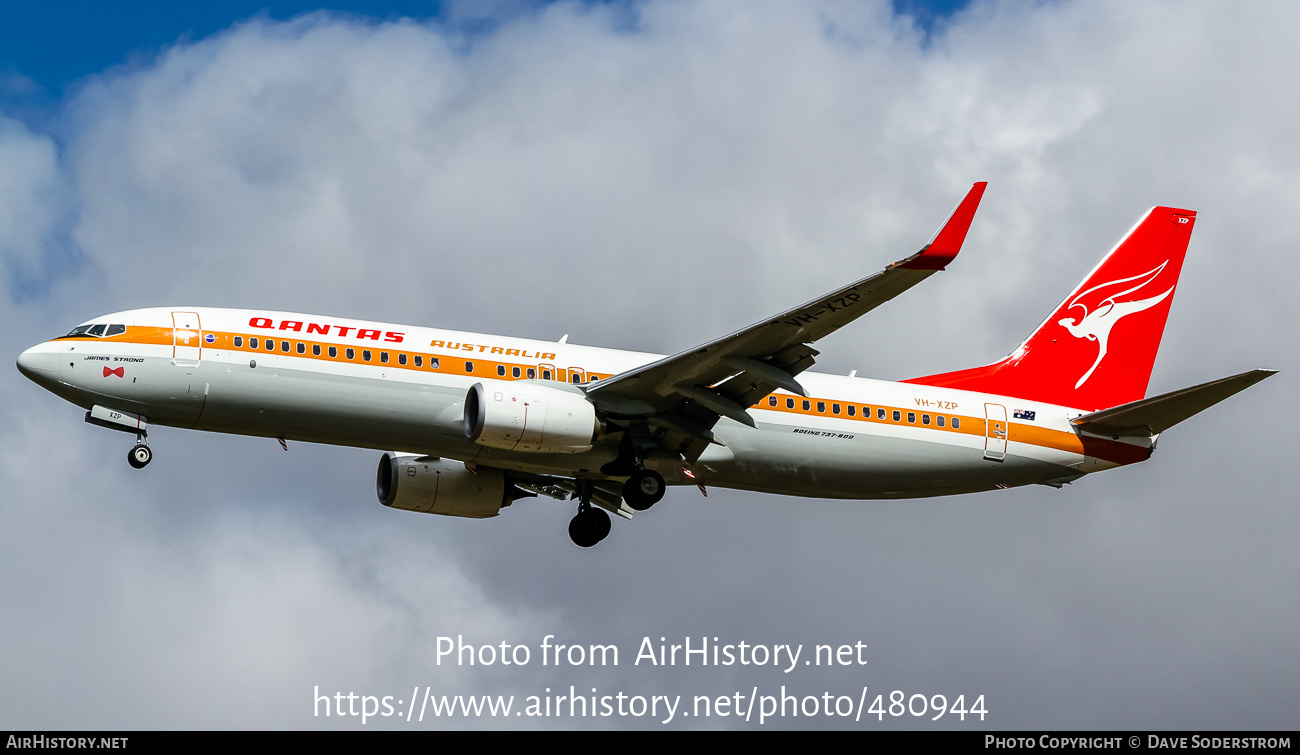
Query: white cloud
{"points": [[30, 201]]}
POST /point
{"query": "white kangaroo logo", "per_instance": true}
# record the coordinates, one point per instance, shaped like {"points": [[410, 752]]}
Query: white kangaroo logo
{"points": [[1096, 325]]}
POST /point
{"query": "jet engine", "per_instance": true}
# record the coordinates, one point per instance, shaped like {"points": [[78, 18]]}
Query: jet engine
{"points": [[442, 486], [519, 416]]}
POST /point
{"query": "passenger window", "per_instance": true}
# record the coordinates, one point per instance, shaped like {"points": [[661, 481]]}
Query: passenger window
{"points": [[270, 344], [315, 349], [302, 348], [789, 403], [546, 374], [835, 408], [501, 370], [351, 353], [419, 361], [365, 354], [852, 410], [334, 352], [433, 363], [897, 415], [925, 419], [807, 405], [911, 417], [956, 423], [252, 343], [383, 357], [401, 359], [594, 378], [532, 373], [576, 377], [239, 342], [514, 372], [469, 366], [284, 346], [880, 414], [939, 420], [771, 400]]}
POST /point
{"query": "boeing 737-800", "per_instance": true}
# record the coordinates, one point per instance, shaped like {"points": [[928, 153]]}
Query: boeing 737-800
{"points": [[471, 423]]}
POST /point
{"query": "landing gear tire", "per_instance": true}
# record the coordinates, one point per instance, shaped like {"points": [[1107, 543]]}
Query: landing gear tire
{"points": [[589, 527], [139, 457], [643, 489]]}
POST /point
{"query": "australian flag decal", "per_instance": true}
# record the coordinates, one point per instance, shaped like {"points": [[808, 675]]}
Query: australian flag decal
{"points": [[1023, 414]]}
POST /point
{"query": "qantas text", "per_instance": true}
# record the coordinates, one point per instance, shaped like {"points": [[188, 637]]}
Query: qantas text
{"points": [[324, 329]]}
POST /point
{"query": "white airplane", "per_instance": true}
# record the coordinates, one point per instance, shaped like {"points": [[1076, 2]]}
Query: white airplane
{"points": [[473, 422]]}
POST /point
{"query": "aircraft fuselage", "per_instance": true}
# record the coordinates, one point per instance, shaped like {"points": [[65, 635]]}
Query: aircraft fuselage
{"points": [[402, 388]]}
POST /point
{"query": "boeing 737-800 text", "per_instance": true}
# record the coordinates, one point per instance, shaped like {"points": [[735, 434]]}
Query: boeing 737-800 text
{"points": [[473, 422]]}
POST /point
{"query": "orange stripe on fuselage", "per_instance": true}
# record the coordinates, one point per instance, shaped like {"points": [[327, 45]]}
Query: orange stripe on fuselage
{"points": [[455, 364]]}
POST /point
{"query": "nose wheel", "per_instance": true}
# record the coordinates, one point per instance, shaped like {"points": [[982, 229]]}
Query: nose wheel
{"points": [[140, 456]]}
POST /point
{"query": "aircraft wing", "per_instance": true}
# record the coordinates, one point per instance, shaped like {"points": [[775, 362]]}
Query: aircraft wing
{"points": [[684, 394]]}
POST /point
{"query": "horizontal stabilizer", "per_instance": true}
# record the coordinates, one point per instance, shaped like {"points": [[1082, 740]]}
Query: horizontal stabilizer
{"points": [[1152, 416]]}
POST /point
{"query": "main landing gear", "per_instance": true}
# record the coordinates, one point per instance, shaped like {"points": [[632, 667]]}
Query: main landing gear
{"points": [[590, 525], [643, 489], [140, 456]]}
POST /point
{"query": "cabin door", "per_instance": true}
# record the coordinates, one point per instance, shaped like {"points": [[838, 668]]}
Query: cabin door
{"points": [[187, 339], [995, 432]]}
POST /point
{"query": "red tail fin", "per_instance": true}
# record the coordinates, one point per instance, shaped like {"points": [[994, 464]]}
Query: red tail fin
{"points": [[1097, 349]]}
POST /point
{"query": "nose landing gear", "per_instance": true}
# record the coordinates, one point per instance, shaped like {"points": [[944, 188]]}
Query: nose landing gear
{"points": [[139, 456]]}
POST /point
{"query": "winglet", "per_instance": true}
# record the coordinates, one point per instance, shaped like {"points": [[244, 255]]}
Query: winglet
{"points": [[943, 248]]}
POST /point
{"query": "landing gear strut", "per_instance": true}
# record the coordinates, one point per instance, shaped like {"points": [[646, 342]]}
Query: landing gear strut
{"points": [[141, 455], [643, 489], [591, 524]]}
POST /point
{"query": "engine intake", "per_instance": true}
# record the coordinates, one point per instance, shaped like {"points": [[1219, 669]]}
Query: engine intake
{"points": [[442, 486]]}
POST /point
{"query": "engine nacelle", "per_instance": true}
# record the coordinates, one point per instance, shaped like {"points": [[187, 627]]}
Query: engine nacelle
{"points": [[529, 417], [442, 486]]}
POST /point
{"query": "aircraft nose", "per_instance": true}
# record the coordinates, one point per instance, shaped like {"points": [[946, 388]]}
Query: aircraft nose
{"points": [[40, 366]]}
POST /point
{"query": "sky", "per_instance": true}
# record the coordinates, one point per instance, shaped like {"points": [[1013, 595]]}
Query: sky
{"points": [[646, 176]]}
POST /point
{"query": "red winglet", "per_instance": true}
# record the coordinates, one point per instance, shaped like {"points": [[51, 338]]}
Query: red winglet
{"points": [[943, 248]]}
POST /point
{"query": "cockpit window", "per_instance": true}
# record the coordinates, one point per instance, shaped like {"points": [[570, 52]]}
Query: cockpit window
{"points": [[98, 330]]}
